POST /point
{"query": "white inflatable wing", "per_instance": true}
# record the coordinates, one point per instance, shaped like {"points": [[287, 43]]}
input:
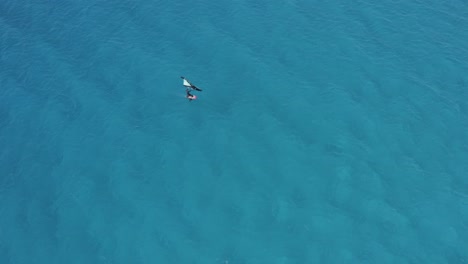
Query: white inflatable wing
{"points": [[186, 83]]}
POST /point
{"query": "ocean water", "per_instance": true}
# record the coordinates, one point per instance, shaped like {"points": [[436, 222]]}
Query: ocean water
{"points": [[326, 131]]}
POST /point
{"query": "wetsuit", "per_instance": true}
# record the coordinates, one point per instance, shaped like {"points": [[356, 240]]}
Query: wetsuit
{"points": [[189, 95]]}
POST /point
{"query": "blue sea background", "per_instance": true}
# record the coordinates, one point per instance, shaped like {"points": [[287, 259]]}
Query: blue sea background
{"points": [[326, 131]]}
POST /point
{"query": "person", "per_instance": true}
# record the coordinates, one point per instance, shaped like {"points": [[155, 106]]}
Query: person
{"points": [[190, 96]]}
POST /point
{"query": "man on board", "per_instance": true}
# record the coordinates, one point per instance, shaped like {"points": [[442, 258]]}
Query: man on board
{"points": [[190, 96], [189, 87]]}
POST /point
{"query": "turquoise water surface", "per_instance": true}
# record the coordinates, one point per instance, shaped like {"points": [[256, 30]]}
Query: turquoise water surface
{"points": [[326, 132]]}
